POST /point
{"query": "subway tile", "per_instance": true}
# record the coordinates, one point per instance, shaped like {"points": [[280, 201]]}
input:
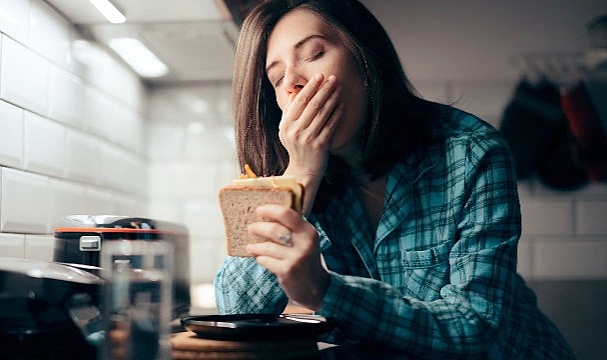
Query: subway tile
{"points": [[131, 129], [485, 99], [99, 201], [131, 205], [591, 217], [165, 209], [24, 77], [226, 172], [45, 145], [203, 218], [166, 141], [84, 53], [593, 189], [39, 247], [524, 189], [65, 199], [547, 216], [66, 98], [190, 178], [569, 259], [97, 114], [11, 136], [162, 183], [15, 19], [210, 145], [525, 257], [433, 91], [113, 170], [118, 81], [12, 245], [49, 34], [122, 170], [83, 157], [138, 182], [540, 189], [25, 202], [205, 258]]}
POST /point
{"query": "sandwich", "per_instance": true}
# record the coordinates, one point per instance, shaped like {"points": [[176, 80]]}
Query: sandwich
{"points": [[239, 200]]}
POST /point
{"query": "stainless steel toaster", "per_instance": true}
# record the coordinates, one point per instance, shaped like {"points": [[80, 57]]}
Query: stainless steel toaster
{"points": [[81, 240]]}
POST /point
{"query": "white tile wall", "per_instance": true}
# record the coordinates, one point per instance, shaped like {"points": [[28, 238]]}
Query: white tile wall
{"points": [[11, 136], [187, 168], [39, 247], [45, 145], [12, 245], [49, 34], [591, 217], [15, 19], [547, 216], [24, 77], [72, 135], [83, 157], [66, 198], [25, 202], [66, 98], [570, 258]]}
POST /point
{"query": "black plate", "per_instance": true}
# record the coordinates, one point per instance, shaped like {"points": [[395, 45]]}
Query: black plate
{"points": [[257, 326]]}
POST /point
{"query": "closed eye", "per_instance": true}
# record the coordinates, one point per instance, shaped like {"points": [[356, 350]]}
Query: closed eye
{"points": [[317, 54], [277, 83]]}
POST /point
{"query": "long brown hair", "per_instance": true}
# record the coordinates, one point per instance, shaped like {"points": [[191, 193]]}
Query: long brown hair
{"points": [[398, 120]]}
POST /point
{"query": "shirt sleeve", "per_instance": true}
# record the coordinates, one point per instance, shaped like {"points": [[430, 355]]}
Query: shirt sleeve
{"points": [[473, 305], [244, 287]]}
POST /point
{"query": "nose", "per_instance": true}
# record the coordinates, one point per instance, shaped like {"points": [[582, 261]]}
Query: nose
{"points": [[294, 81]]}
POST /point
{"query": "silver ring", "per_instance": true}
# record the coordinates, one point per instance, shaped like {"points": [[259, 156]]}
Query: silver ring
{"points": [[286, 239]]}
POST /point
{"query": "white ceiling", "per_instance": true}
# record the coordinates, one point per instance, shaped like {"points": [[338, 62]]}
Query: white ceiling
{"points": [[195, 38]]}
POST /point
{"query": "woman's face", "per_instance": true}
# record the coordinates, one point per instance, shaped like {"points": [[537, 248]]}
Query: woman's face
{"points": [[301, 46]]}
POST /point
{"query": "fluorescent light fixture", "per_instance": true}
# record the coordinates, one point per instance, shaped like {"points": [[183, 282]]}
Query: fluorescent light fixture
{"points": [[139, 57], [107, 9]]}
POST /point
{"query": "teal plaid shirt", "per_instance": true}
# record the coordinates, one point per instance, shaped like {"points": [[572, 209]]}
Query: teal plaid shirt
{"points": [[438, 278]]}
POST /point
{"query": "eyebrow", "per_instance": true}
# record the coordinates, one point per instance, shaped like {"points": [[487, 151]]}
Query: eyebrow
{"points": [[297, 45]]}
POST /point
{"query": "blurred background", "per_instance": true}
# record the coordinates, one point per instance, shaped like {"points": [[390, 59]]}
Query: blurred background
{"points": [[86, 130]]}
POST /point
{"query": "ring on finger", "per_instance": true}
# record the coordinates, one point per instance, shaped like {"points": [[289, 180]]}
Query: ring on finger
{"points": [[286, 239]]}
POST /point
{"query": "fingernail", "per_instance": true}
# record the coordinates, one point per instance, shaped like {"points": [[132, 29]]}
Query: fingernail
{"points": [[318, 77]]}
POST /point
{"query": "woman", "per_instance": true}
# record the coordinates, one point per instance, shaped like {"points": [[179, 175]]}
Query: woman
{"points": [[411, 215]]}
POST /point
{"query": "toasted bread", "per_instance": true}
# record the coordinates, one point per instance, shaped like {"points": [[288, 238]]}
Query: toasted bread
{"points": [[239, 201]]}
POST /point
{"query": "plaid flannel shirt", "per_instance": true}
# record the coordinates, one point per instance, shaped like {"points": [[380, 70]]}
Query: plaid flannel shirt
{"points": [[438, 278]]}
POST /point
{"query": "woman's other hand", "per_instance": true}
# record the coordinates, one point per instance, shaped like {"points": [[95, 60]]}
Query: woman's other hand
{"points": [[292, 253]]}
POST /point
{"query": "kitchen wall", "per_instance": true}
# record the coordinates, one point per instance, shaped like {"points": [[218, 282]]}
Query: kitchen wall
{"points": [[192, 154], [81, 134], [72, 135]]}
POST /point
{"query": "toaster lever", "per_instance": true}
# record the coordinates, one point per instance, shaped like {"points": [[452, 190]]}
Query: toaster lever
{"points": [[90, 243]]}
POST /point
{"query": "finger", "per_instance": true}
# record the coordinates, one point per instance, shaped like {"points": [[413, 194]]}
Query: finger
{"points": [[325, 133], [267, 249], [272, 231], [283, 215], [270, 263], [317, 121], [300, 101], [321, 104]]}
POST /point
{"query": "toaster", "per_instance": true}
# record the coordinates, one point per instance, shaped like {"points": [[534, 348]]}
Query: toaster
{"points": [[79, 244]]}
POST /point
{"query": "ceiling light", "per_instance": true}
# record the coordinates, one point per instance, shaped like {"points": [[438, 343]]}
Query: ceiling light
{"points": [[139, 57], [107, 9]]}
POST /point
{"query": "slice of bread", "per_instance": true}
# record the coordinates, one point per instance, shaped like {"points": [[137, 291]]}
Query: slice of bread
{"points": [[238, 204]]}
